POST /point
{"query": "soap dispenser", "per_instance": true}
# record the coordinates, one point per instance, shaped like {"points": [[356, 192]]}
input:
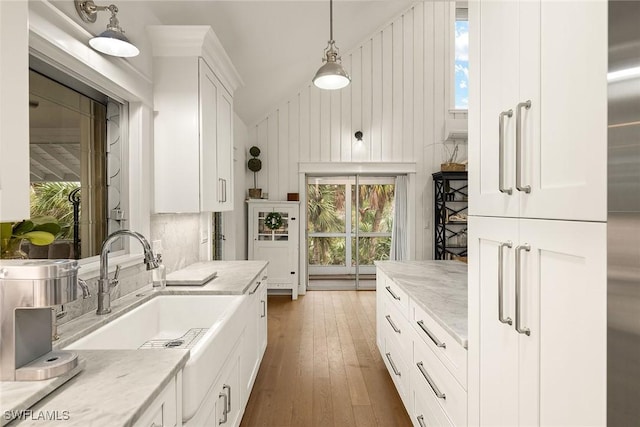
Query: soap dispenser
{"points": [[159, 274]]}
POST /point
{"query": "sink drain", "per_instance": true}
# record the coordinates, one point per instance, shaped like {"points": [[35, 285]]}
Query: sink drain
{"points": [[174, 343]]}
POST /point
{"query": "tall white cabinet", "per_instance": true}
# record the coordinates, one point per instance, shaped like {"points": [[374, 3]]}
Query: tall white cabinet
{"points": [[539, 109], [537, 204], [273, 236], [194, 81]]}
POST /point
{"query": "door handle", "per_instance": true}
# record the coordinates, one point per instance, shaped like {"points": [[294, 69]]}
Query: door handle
{"points": [[436, 341], [526, 105], [420, 419], [519, 328], [501, 318], [224, 410], [228, 388], [501, 187], [393, 325], [393, 365], [395, 297], [221, 195], [433, 385], [264, 308]]}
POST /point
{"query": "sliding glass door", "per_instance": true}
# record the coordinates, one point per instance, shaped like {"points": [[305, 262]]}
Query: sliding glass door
{"points": [[349, 222]]}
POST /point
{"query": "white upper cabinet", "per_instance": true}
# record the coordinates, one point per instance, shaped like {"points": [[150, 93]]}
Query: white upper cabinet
{"points": [[537, 145], [14, 112], [194, 81]]}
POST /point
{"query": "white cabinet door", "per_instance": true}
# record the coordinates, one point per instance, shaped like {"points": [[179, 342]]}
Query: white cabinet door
{"points": [[209, 93], [564, 300], [548, 367], [494, 53], [493, 345], [224, 150], [566, 165], [538, 109]]}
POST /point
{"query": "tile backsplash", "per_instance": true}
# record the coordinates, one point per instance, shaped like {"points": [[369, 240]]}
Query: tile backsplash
{"points": [[180, 236]]}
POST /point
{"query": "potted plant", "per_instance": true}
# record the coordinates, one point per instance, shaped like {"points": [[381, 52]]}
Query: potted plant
{"points": [[40, 231], [255, 165]]}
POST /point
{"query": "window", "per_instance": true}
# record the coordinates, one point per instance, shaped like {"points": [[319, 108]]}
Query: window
{"points": [[74, 139], [461, 60]]}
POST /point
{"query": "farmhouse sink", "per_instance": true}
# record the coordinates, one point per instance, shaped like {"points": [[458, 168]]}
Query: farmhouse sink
{"points": [[207, 325]]}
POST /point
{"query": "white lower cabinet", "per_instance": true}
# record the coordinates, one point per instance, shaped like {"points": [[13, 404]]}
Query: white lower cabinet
{"points": [[255, 335], [166, 409], [537, 317], [428, 367]]}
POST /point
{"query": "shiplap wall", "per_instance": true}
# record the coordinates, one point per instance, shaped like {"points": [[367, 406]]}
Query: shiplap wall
{"points": [[398, 97]]}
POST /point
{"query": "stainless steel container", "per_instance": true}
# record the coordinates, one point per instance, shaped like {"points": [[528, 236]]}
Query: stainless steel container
{"points": [[28, 290]]}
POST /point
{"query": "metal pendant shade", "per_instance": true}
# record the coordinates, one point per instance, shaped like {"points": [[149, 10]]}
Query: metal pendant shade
{"points": [[112, 41], [331, 75]]}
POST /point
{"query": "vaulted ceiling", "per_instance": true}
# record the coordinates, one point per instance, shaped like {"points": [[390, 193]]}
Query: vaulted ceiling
{"points": [[277, 46]]}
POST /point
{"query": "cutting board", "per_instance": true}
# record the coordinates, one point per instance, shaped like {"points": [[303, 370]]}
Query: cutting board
{"points": [[194, 275]]}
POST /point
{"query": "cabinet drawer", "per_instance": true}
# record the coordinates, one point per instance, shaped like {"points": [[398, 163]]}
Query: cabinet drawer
{"points": [[395, 295], [426, 409], [163, 410], [397, 327], [450, 352], [398, 367], [431, 376]]}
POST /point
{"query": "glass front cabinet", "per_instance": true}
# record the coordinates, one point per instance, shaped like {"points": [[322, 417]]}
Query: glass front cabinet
{"points": [[273, 236]]}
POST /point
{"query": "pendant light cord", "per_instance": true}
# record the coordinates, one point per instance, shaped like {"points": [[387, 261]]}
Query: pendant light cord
{"points": [[331, 20]]}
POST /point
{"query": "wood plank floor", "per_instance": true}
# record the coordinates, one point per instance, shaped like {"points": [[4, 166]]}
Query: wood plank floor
{"points": [[322, 366]]}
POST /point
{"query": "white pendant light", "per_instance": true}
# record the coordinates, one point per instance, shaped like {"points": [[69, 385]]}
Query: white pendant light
{"points": [[331, 75], [112, 41]]}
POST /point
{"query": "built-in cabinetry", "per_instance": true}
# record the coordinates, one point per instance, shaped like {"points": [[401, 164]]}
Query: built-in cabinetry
{"points": [[538, 109], [537, 236], [166, 409], [428, 366], [273, 236], [255, 342], [450, 199], [194, 82]]}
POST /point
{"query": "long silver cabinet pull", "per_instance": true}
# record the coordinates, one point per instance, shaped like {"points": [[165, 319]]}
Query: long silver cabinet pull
{"points": [[255, 289], [393, 325], [420, 419], [393, 365], [526, 105], [519, 250], [501, 318], [501, 187], [433, 385], [224, 410], [436, 341], [228, 388], [264, 308], [395, 297]]}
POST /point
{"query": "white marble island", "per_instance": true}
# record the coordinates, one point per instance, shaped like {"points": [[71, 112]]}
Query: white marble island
{"points": [[422, 336], [118, 387]]}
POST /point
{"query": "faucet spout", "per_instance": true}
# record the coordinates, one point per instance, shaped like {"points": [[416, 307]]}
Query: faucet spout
{"points": [[105, 284]]}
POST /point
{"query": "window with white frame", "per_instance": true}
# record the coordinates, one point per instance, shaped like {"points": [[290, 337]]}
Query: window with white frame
{"points": [[461, 58]]}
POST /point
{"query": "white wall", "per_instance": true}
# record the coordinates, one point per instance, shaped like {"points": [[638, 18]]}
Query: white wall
{"points": [[398, 97], [235, 222]]}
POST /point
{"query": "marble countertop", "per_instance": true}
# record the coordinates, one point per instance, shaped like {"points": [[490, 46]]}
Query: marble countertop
{"points": [[438, 287], [115, 385], [233, 278]]}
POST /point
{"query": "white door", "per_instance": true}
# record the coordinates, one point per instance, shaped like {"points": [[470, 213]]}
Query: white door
{"points": [[494, 55], [493, 345], [566, 165], [564, 300], [208, 92], [224, 149]]}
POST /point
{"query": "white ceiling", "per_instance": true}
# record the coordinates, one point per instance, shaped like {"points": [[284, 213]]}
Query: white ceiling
{"points": [[277, 46]]}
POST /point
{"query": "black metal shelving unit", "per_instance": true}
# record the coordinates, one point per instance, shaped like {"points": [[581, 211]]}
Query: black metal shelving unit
{"points": [[451, 200]]}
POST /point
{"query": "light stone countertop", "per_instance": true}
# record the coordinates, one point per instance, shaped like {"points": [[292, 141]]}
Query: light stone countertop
{"points": [[438, 287], [114, 389], [233, 278]]}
